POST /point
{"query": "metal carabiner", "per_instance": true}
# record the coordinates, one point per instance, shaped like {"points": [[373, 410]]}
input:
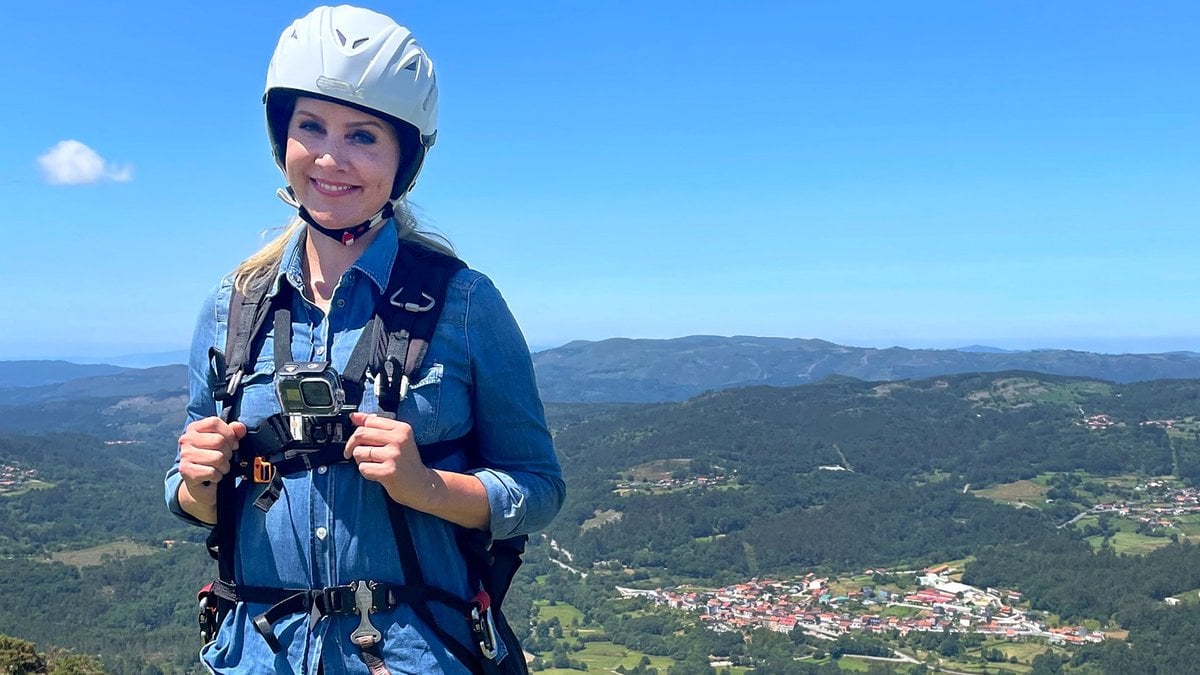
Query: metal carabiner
{"points": [[483, 626]]}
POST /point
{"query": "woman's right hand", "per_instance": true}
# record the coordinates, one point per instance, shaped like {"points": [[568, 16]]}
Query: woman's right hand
{"points": [[205, 450]]}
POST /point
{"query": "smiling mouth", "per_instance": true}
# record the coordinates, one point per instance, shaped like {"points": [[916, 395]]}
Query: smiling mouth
{"points": [[331, 188]]}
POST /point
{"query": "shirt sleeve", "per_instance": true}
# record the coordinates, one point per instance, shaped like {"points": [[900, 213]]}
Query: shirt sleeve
{"points": [[520, 469], [200, 400]]}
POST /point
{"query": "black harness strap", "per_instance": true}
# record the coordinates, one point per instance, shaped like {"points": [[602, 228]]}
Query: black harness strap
{"points": [[283, 335], [413, 575], [247, 314]]}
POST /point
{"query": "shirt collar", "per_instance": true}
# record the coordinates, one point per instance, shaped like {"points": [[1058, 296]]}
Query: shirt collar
{"points": [[375, 263]]}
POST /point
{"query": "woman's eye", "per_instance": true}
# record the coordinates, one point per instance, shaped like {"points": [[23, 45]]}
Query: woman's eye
{"points": [[309, 125], [362, 137]]}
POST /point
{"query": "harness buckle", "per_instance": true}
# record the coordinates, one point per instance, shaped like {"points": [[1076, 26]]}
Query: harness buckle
{"points": [[264, 471], [412, 306], [338, 599], [482, 624], [366, 635], [235, 381]]}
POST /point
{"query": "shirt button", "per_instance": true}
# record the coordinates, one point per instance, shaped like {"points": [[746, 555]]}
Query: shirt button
{"points": [[321, 350], [322, 533], [341, 302], [322, 469]]}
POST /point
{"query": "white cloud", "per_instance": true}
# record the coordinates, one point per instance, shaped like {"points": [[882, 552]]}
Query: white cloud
{"points": [[73, 163]]}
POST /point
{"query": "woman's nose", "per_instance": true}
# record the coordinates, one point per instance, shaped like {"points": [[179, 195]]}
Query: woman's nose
{"points": [[325, 157]]}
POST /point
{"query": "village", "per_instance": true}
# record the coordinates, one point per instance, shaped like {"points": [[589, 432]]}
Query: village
{"points": [[810, 604], [1158, 503], [13, 477]]}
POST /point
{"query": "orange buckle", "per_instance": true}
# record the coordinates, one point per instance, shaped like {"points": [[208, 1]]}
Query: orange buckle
{"points": [[263, 471]]}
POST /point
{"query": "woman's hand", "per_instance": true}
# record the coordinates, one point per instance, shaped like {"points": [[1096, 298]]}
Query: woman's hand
{"points": [[205, 450], [387, 454]]}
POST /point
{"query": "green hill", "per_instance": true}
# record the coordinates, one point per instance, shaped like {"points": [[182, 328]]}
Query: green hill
{"points": [[730, 484]]}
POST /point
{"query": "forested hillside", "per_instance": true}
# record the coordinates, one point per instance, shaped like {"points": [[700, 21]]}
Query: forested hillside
{"points": [[888, 463], [835, 476]]}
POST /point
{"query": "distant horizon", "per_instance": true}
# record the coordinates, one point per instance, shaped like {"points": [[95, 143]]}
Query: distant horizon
{"points": [[1097, 345]]}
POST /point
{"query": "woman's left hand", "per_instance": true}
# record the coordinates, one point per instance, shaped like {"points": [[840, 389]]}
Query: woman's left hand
{"points": [[387, 454]]}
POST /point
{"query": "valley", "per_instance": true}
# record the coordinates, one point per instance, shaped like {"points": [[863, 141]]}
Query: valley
{"points": [[981, 522]]}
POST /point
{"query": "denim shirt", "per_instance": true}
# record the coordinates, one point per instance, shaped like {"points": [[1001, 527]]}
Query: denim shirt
{"points": [[330, 526]]}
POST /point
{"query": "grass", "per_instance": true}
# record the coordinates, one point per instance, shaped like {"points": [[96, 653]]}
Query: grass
{"points": [[606, 656], [27, 486], [1191, 597], [96, 555], [1189, 525], [902, 612], [602, 656], [1130, 542], [1019, 392], [1184, 428], [852, 665], [565, 613], [1024, 492], [659, 469], [1024, 651]]}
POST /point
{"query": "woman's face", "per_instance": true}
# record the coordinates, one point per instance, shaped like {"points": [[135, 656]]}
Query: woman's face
{"points": [[340, 162]]}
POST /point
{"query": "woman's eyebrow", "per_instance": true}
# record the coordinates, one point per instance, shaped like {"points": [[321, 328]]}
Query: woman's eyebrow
{"points": [[360, 123], [365, 123]]}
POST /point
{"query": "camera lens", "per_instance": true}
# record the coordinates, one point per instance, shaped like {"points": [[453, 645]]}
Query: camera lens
{"points": [[316, 393]]}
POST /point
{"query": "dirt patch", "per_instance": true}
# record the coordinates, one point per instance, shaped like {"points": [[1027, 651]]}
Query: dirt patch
{"points": [[601, 518]]}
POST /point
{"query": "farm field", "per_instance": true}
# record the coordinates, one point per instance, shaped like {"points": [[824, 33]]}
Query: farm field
{"points": [[98, 555]]}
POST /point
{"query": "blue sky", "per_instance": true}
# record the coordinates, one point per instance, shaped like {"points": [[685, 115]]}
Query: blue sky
{"points": [[922, 174]]}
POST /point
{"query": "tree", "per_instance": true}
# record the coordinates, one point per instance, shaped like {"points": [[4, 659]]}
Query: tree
{"points": [[19, 656], [75, 664], [1046, 663]]}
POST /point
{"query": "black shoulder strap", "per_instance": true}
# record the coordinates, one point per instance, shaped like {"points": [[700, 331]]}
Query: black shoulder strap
{"points": [[247, 313], [393, 344]]}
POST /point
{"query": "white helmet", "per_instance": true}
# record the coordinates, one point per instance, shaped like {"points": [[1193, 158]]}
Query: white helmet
{"points": [[362, 59]]}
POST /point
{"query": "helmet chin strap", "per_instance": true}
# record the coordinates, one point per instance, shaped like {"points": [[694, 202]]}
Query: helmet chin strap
{"points": [[346, 235]]}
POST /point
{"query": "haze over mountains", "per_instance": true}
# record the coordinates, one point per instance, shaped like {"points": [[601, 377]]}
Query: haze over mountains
{"points": [[648, 371]]}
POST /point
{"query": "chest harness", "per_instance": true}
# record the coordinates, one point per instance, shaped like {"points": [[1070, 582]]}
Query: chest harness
{"points": [[389, 350]]}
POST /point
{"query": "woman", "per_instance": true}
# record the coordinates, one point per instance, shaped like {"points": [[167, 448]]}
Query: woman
{"points": [[351, 104]]}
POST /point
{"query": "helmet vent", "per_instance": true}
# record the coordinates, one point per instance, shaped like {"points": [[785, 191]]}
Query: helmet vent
{"points": [[413, 65], [355, 45]]}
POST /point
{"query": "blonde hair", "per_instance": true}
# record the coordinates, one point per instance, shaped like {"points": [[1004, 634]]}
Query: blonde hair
{"points": [[262, 267]]}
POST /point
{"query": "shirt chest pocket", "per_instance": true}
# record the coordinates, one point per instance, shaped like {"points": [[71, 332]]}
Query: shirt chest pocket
{"points": [[420, 409], [259, 399]]}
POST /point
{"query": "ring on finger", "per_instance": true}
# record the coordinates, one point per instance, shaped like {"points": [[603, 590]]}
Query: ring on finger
{"points": [[371, 455]]}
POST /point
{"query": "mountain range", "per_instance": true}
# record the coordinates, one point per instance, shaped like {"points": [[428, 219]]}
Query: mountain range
{"points": [[650, 371], [646, 371]]}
